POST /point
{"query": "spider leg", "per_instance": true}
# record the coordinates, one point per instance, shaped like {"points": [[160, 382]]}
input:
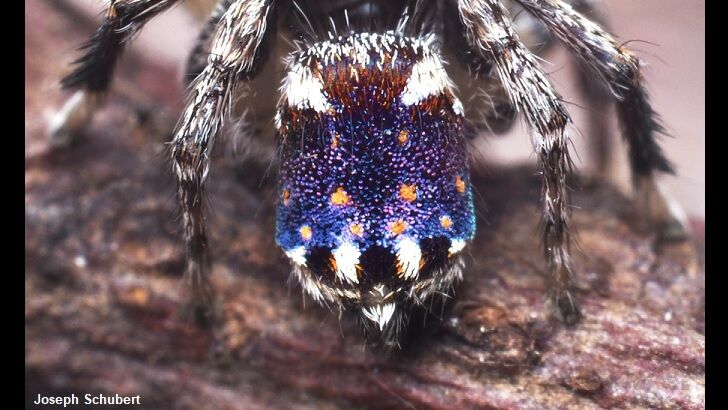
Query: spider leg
{"points": [[537, 37], [490, 107], [598, 96], [94, 69], [620, 69], [197, 60], [249, 132], [492, 38], [235, 53]]}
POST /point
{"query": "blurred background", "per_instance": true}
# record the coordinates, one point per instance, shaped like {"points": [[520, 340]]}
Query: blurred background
{"points": [[668, 34]]}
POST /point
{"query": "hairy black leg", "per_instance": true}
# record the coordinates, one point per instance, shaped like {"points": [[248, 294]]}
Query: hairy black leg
{"points": [[197, 60], [94, 69], [235, 53], [620, 69], [492, 38]]}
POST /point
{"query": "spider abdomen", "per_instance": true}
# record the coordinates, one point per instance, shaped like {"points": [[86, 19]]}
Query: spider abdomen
{"points": [[375, 202]]}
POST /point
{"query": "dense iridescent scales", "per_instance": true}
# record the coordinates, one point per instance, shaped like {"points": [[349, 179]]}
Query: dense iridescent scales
{"points": [[374, 203]]}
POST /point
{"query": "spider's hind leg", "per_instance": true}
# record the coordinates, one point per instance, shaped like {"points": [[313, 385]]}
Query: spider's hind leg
{"points": [[493, 40], [620, 70], [94, 70], [598, 97], [197, 59], [537, 37], [488, 108], [237, 52], [251, 146]]}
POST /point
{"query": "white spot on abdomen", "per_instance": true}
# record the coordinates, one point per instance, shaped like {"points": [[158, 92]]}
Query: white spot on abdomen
{"points": [[297, 255], [304, 90], [409, 255], [428, 78], [456, 246], [347, 257]]}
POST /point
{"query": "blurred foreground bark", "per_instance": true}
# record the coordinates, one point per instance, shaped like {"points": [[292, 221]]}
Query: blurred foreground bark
{"points": [[104, 298]]}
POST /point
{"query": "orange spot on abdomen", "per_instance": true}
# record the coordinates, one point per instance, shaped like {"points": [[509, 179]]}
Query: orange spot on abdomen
{"points": [[340, 197], [408, 192], [398, 227]]}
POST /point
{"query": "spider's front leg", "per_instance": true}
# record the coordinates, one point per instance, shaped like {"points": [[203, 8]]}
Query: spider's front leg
{"points": [[92, 76], [235, 53], [640, 124], [491, 37]]}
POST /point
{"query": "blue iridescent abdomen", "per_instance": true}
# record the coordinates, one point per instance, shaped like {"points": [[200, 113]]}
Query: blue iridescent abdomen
{"points": [[374, 185]]}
